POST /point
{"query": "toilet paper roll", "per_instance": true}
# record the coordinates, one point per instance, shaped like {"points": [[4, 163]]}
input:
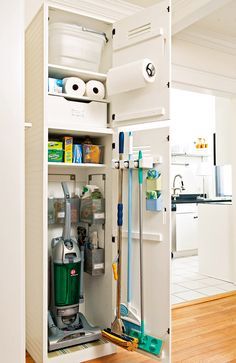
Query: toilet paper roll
{"points": [[95, 90], [74, 86], [130, 76]]}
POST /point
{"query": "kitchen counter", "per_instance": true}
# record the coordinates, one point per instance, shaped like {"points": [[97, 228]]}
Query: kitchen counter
{"points": [[196, 199]]}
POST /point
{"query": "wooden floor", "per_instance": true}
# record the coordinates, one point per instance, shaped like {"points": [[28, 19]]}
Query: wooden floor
{"points": [[121, 357], [205, 333], [202, 333]]}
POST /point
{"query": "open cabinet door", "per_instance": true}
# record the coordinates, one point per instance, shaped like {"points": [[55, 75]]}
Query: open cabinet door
{"points": [[144, 35], [153, 141]]}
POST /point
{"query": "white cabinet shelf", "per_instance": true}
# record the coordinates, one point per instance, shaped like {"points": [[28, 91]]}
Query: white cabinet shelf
{"points": [[56, 71], [74, 165], [193, 155], [76, 98], [71, 130]]}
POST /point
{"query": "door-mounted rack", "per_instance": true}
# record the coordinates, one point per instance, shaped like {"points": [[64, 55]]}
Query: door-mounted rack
{"points": [[146, 163]]}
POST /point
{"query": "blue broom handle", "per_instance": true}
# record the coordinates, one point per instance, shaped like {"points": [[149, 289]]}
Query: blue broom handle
{"points": [[130, 181]]}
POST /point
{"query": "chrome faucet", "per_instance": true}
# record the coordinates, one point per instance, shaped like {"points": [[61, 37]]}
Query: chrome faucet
{"points": [[180, 189]]}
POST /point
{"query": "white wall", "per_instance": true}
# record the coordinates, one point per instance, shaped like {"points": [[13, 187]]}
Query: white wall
{"points": [[193, 116], [203, 67], [12, 340], [226, 151], [31, 8]]}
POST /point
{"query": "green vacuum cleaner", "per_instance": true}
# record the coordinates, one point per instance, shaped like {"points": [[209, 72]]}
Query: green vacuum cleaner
{"points": [[66, 325]]}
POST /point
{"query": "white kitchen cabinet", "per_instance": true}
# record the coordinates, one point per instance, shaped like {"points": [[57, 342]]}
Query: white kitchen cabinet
{"points": [[152, 40], [215, 241], [186, 227]]}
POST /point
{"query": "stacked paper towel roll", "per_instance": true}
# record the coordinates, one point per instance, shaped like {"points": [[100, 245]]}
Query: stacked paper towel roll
{"points": [[95, 90], [74, 86], [130, 76]]}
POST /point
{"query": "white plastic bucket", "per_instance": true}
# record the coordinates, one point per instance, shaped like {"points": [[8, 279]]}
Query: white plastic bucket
{"points": [[73, 46]]}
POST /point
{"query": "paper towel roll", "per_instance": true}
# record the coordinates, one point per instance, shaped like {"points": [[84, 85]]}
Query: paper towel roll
{"points": [[95, 90], [74, 86], [130, 76]]}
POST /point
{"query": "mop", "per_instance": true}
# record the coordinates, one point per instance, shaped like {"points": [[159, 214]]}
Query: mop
{"points": [[146, 342], [128, 313], [116, 334]]}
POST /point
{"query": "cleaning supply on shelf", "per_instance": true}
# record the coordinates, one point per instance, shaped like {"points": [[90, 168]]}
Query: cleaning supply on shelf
{"points": [[68, 149], [55, 145], [146, 342], [128, 313], [74, 86], [55, 85], [55, 151], [77, 154], [95, 90], [92, 154], [55, 156]]}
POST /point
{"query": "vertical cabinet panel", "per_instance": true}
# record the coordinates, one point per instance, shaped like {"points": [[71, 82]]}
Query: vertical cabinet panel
{"points": [[143, 35]]}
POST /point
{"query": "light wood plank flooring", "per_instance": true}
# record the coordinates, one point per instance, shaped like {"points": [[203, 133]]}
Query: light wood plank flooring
{"points": [[121, 357], [201, 333], [205, 333]]}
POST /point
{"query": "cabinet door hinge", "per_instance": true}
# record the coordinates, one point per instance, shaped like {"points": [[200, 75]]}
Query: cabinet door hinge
{"points": [[113, 32], [168, 138], [113, 239], [168, 9], [113, 146]]}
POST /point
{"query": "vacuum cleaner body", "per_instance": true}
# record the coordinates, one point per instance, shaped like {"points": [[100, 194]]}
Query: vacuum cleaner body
{"points": [[65, 282], [66, 325]]}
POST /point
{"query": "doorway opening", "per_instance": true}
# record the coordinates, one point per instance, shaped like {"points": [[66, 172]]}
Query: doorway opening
{"points": [[201, 196]]}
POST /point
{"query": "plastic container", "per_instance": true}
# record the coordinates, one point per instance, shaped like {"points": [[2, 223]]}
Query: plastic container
{"points": [[61, 111], [154, 205], [75, 46], [93, 154], [153, 184], [92, 211]]}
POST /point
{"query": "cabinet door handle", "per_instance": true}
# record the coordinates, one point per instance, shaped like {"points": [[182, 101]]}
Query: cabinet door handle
{"points": [[195, 217]]}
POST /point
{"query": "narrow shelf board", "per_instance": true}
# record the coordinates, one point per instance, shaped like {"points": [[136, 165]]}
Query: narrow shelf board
{"points": [[74, 165], [71, 130], [190, 155], [56, 71], [72, 97]]}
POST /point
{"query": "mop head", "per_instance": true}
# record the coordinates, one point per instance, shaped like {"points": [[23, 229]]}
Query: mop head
{"points": [[130, 319], [123, 340], [147, 342]]}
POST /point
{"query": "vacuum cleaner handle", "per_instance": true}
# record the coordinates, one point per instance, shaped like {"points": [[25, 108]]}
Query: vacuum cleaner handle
{"points": [[67, 226], [65, 190]]}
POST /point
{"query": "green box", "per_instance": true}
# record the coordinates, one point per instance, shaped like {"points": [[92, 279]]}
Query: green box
{"points": [[55, 145], [55, 156]]}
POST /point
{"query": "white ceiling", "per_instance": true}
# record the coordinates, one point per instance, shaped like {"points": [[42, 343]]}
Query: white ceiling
{"points": [[143, 3], [222, 21]]}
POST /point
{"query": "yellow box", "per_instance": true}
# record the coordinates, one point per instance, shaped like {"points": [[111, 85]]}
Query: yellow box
{"points": [[153, 184], [68, 149]]}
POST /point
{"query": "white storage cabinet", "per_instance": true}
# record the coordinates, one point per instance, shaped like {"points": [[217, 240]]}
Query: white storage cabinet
{"points": [[186, 227], [145, 33]]}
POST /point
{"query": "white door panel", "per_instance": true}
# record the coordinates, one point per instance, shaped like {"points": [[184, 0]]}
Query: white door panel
{"points": [[143, 35]]}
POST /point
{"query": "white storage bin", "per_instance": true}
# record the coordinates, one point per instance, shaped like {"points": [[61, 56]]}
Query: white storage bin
{"points": [[75, 46], [64, 112]]}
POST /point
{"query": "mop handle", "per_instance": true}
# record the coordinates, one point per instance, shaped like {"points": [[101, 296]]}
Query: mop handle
{"points": [[120, 223], [140, 180], [130, 182]]}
